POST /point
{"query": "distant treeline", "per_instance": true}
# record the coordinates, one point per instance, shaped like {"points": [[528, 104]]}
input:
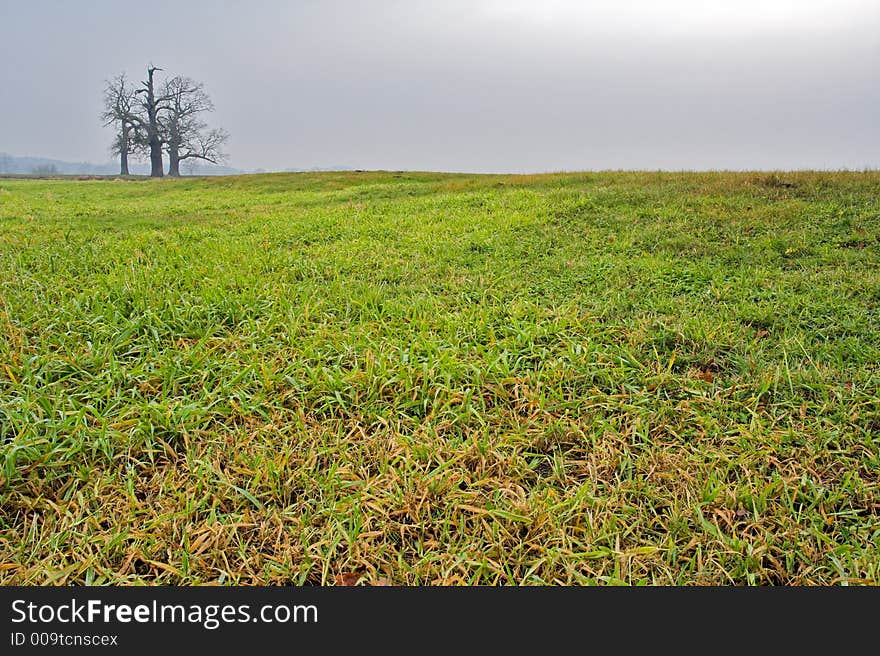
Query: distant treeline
{"points": [[11, 164]]}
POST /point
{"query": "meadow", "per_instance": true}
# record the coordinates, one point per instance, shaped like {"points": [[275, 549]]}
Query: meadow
{"points": [[414, 378]]}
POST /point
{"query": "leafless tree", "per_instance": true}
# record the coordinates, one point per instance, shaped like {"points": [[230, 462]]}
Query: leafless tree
{"points": [[186, 136], [153, 118], [147, 119], [204, 144], [119, 105]]}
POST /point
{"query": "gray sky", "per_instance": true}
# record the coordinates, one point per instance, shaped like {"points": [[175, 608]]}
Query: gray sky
{"points": [[493, 85]]}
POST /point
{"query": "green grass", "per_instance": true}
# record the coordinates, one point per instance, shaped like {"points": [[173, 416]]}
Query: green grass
{"points": [[424, 378]]}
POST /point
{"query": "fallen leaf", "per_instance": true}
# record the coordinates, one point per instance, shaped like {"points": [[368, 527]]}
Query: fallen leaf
{"points": [[347, 578]]}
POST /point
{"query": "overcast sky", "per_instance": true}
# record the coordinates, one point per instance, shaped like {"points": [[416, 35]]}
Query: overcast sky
{"points": [[493, 85]]}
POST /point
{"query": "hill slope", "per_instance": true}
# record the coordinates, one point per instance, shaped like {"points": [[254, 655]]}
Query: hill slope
{"points": [[427, 378]]}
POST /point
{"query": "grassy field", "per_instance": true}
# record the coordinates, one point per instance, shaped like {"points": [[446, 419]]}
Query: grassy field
{"points": [[396, 378]]}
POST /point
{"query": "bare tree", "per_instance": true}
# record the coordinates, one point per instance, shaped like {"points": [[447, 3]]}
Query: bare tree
{"points": [[154, 118], [204, 144], [119, 104], [186, 136], [147, 120]]}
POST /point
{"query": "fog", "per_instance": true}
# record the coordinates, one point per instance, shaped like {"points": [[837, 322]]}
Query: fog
{"points": [[466, 86]]}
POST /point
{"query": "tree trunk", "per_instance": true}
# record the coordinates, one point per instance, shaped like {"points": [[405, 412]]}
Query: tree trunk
{"points": [[173, 160], [156, 157], [123, 151], [153, 136]]}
